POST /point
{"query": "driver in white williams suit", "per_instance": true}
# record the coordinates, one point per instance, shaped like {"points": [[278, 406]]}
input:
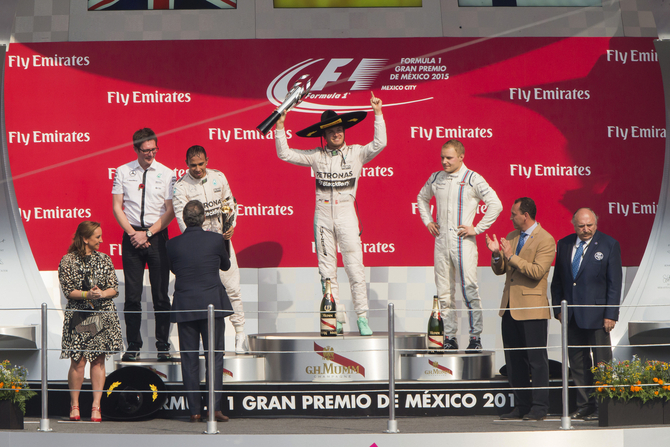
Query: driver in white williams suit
{"points": [[457, 192], [210, 187], [337, 168]]}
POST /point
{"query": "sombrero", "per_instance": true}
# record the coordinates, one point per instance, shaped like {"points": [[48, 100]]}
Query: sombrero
{"points": [[331, 119], [131, 393]]}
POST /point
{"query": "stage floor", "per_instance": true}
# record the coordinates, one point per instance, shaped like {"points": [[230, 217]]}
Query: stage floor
{"points": [[353, 432], [320, 426]]}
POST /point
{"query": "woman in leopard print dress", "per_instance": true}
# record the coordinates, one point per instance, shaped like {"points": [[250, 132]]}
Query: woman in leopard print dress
{"points": [[89, 283]]}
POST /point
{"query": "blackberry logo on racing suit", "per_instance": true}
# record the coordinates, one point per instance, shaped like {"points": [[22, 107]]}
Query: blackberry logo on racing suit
{"points": [[336, 180], [324, 184]]}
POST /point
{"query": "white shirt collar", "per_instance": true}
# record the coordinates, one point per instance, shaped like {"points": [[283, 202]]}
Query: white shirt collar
{"points": [[135, 165], [586, 243]]}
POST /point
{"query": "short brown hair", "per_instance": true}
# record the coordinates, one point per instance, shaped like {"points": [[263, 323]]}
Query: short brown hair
{"points": [[142, 136], [527, 205]]}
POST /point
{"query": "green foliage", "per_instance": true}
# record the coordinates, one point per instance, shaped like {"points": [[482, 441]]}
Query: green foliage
{"points": [[13, 385], [625, 380]]}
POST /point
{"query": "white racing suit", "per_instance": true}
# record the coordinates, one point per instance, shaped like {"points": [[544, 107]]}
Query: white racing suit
{"points": [[213, 191], [335, 218], [457, 196]]}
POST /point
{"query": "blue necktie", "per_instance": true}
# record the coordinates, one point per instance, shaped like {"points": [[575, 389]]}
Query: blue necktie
{"points": [[577, 259], [522, 240]]}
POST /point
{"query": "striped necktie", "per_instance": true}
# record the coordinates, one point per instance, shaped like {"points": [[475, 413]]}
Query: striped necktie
{"points": [[522, 240], [577, 259]]}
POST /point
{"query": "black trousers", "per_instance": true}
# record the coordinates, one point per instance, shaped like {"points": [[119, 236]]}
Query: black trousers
{"points": [[580, 359], [190, 333], [134, 261], [524, 364]]}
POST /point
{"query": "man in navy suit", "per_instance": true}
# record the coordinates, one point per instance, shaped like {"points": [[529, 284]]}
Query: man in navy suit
{"points": [[587, 273], [196, 256]]}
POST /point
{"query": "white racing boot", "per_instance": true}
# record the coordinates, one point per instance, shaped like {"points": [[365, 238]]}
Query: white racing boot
{"points": [[241, 343]]}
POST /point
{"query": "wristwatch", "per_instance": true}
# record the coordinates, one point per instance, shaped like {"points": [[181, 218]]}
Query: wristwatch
{"points": [[149, 234]]}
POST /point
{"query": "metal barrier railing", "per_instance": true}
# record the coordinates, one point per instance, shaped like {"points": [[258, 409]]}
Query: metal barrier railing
{"points": [[392, 426], [392, 423], [566, 420], [44, 421]]}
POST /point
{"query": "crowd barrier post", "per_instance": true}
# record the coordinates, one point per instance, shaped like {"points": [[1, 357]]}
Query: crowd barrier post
{"points": [[44, 353], [211, 421], [566, 421], [392, 426]]}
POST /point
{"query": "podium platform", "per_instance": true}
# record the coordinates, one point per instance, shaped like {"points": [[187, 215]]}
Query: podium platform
{"points": [[308, 357], [306, 375]]}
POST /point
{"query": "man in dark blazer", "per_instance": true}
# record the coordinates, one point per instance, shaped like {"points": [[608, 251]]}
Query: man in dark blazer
{"points": [[196, 256], [587, 273], [525, 257]]}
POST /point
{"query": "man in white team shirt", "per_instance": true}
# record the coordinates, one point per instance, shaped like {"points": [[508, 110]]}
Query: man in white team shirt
{"points": [[211, 188], [457, 192], [142, 205]]}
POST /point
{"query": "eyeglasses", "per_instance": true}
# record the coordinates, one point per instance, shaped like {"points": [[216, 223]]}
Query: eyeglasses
{"points": [[146, 151]]}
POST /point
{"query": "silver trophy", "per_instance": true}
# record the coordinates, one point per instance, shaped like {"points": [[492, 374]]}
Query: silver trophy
{"points": [[299, 90]]}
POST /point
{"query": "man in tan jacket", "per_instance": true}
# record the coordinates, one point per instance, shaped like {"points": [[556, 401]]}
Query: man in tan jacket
{"points": [[525, 256]]}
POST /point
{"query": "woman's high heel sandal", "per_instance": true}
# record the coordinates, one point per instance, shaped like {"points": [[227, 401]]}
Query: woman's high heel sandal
{"points": [[74, 417], [96, 419]]}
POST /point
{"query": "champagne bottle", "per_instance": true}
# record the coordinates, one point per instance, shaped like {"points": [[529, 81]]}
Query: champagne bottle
{"points": [[328, 316], [435, 335]]}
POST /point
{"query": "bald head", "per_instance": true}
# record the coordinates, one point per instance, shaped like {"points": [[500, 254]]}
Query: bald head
{"points": [[585, 222]]}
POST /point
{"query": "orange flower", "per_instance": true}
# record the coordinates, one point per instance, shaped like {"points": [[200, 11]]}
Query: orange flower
{"points": [[654, 380], [600, 390], [2, 384], [660, 381], [639, 382], [656, 393]]}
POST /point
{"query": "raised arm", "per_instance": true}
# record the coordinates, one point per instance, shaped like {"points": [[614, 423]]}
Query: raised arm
{"points": [[296, 157]]}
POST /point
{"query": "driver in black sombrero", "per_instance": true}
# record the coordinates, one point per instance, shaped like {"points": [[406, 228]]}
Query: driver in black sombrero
{"points": [[337, 167]]}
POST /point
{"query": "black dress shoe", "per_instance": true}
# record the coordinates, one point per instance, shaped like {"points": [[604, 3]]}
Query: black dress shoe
{"points": [[195, 418], [218, 416], [583, 413], [535, 415], [512, 415], [592, 417]]}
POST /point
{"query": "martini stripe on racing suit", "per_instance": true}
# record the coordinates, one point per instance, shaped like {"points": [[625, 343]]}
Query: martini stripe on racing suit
{"points": [[457, 205]]}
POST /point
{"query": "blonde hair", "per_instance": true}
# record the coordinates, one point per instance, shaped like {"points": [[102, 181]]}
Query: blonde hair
{"points": [[457, 145]]}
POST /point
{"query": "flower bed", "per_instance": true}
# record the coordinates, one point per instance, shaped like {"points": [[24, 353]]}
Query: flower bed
{"points": [[632, 392], [630, 379], [13, 385]]}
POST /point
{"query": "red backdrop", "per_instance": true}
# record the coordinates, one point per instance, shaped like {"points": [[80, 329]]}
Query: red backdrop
{"points": [[569, 122]]}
